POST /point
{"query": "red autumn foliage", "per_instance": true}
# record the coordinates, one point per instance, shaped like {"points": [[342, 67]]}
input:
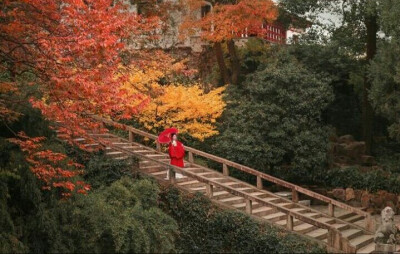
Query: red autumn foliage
{"points": [[55, 170], [227, 21], [74, 50], [73, 47]]}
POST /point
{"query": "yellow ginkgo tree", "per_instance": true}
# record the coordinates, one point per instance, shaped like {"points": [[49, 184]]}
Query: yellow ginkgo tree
{"points": [[186, 107]]}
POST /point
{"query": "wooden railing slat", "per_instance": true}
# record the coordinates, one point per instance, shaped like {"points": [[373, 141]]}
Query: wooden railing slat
{"points": [[335, 238], [224, 187], [193, 151]]}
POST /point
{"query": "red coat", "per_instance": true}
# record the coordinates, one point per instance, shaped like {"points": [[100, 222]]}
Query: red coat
{"points": [[176, 153]]}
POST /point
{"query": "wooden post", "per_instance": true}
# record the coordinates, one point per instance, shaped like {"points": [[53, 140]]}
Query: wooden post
{"points": [[130, 136], [172, 177], [158, 146], [249, 206], [225, 170], [259, 183], [295, 196], [345, 245], [191, 160], [331, 210], [369, 223], [289, 222], [334, 239], [210, 190]]}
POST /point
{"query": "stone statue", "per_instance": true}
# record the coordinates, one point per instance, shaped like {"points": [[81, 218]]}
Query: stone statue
{"points": [[387, 232]]}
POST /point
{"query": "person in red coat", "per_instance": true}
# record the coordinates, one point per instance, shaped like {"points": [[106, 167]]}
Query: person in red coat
{"points": [[176, 151]]}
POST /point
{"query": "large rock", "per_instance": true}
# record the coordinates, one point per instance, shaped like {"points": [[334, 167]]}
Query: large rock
{"points": [[355, 150], [365, 199], [354, 203], [350, 194], [346, 152], [391, 197], [339, 194], [342, 160], [377, 201], [341, 149], [345, 139], [358, 194]]}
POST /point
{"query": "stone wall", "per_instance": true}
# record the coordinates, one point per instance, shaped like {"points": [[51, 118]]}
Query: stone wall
{"points": [[373, 202], [346, 151]]}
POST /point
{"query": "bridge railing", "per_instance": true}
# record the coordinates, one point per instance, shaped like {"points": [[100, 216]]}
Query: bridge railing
{"points": [[369, 223], [335, 239]]}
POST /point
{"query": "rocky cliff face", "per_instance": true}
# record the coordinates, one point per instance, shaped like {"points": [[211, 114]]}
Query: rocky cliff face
{"points": [[345, 151]]}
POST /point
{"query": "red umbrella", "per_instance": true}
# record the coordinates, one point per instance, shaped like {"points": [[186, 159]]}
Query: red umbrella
{"points": [[165, 136]]}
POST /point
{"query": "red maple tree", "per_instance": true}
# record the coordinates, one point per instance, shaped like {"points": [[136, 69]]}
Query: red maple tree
{"points": [[226, 21], [74, 50], [55, 170]]}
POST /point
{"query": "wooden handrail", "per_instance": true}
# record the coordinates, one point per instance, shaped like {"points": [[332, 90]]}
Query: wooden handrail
{"points": [[369, 222], [335, 237]]}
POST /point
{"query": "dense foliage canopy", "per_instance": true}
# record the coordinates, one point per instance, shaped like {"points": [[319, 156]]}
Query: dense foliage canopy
{"points": [[276, 108], [273, 119]]}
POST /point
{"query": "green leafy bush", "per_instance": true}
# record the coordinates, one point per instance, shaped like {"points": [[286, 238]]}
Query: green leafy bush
{"points": [[384, 69], [331, 60], [101, 170], [118, 219], [273, 120], [352, 177], [120, 213], [206, 228]]}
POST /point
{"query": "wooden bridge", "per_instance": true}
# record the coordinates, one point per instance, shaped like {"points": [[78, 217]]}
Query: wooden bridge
{"points": [[349, 232]]}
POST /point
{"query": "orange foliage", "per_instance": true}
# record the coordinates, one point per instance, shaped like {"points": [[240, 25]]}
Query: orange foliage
{"points": [[187, 108], [55, 170], [73, 50], [227, 21], [73, 47], [6, 113]]}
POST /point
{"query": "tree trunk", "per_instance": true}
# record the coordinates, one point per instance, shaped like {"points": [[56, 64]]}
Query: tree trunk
{"points": [[367, 111], [235, 62], [221, 63]]}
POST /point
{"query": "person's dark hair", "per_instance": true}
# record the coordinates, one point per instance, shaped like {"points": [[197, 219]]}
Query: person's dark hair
{"points": [[173, 134]]}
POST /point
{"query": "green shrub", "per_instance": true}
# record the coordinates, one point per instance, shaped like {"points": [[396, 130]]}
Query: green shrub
{"points": [[110, 219], [352, 177], [206, 228], [273, 120], [119, 214], [101, 170]]}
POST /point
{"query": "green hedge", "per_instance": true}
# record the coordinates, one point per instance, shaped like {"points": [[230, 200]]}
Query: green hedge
{"points": [[205, 228], [352, 177]]}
